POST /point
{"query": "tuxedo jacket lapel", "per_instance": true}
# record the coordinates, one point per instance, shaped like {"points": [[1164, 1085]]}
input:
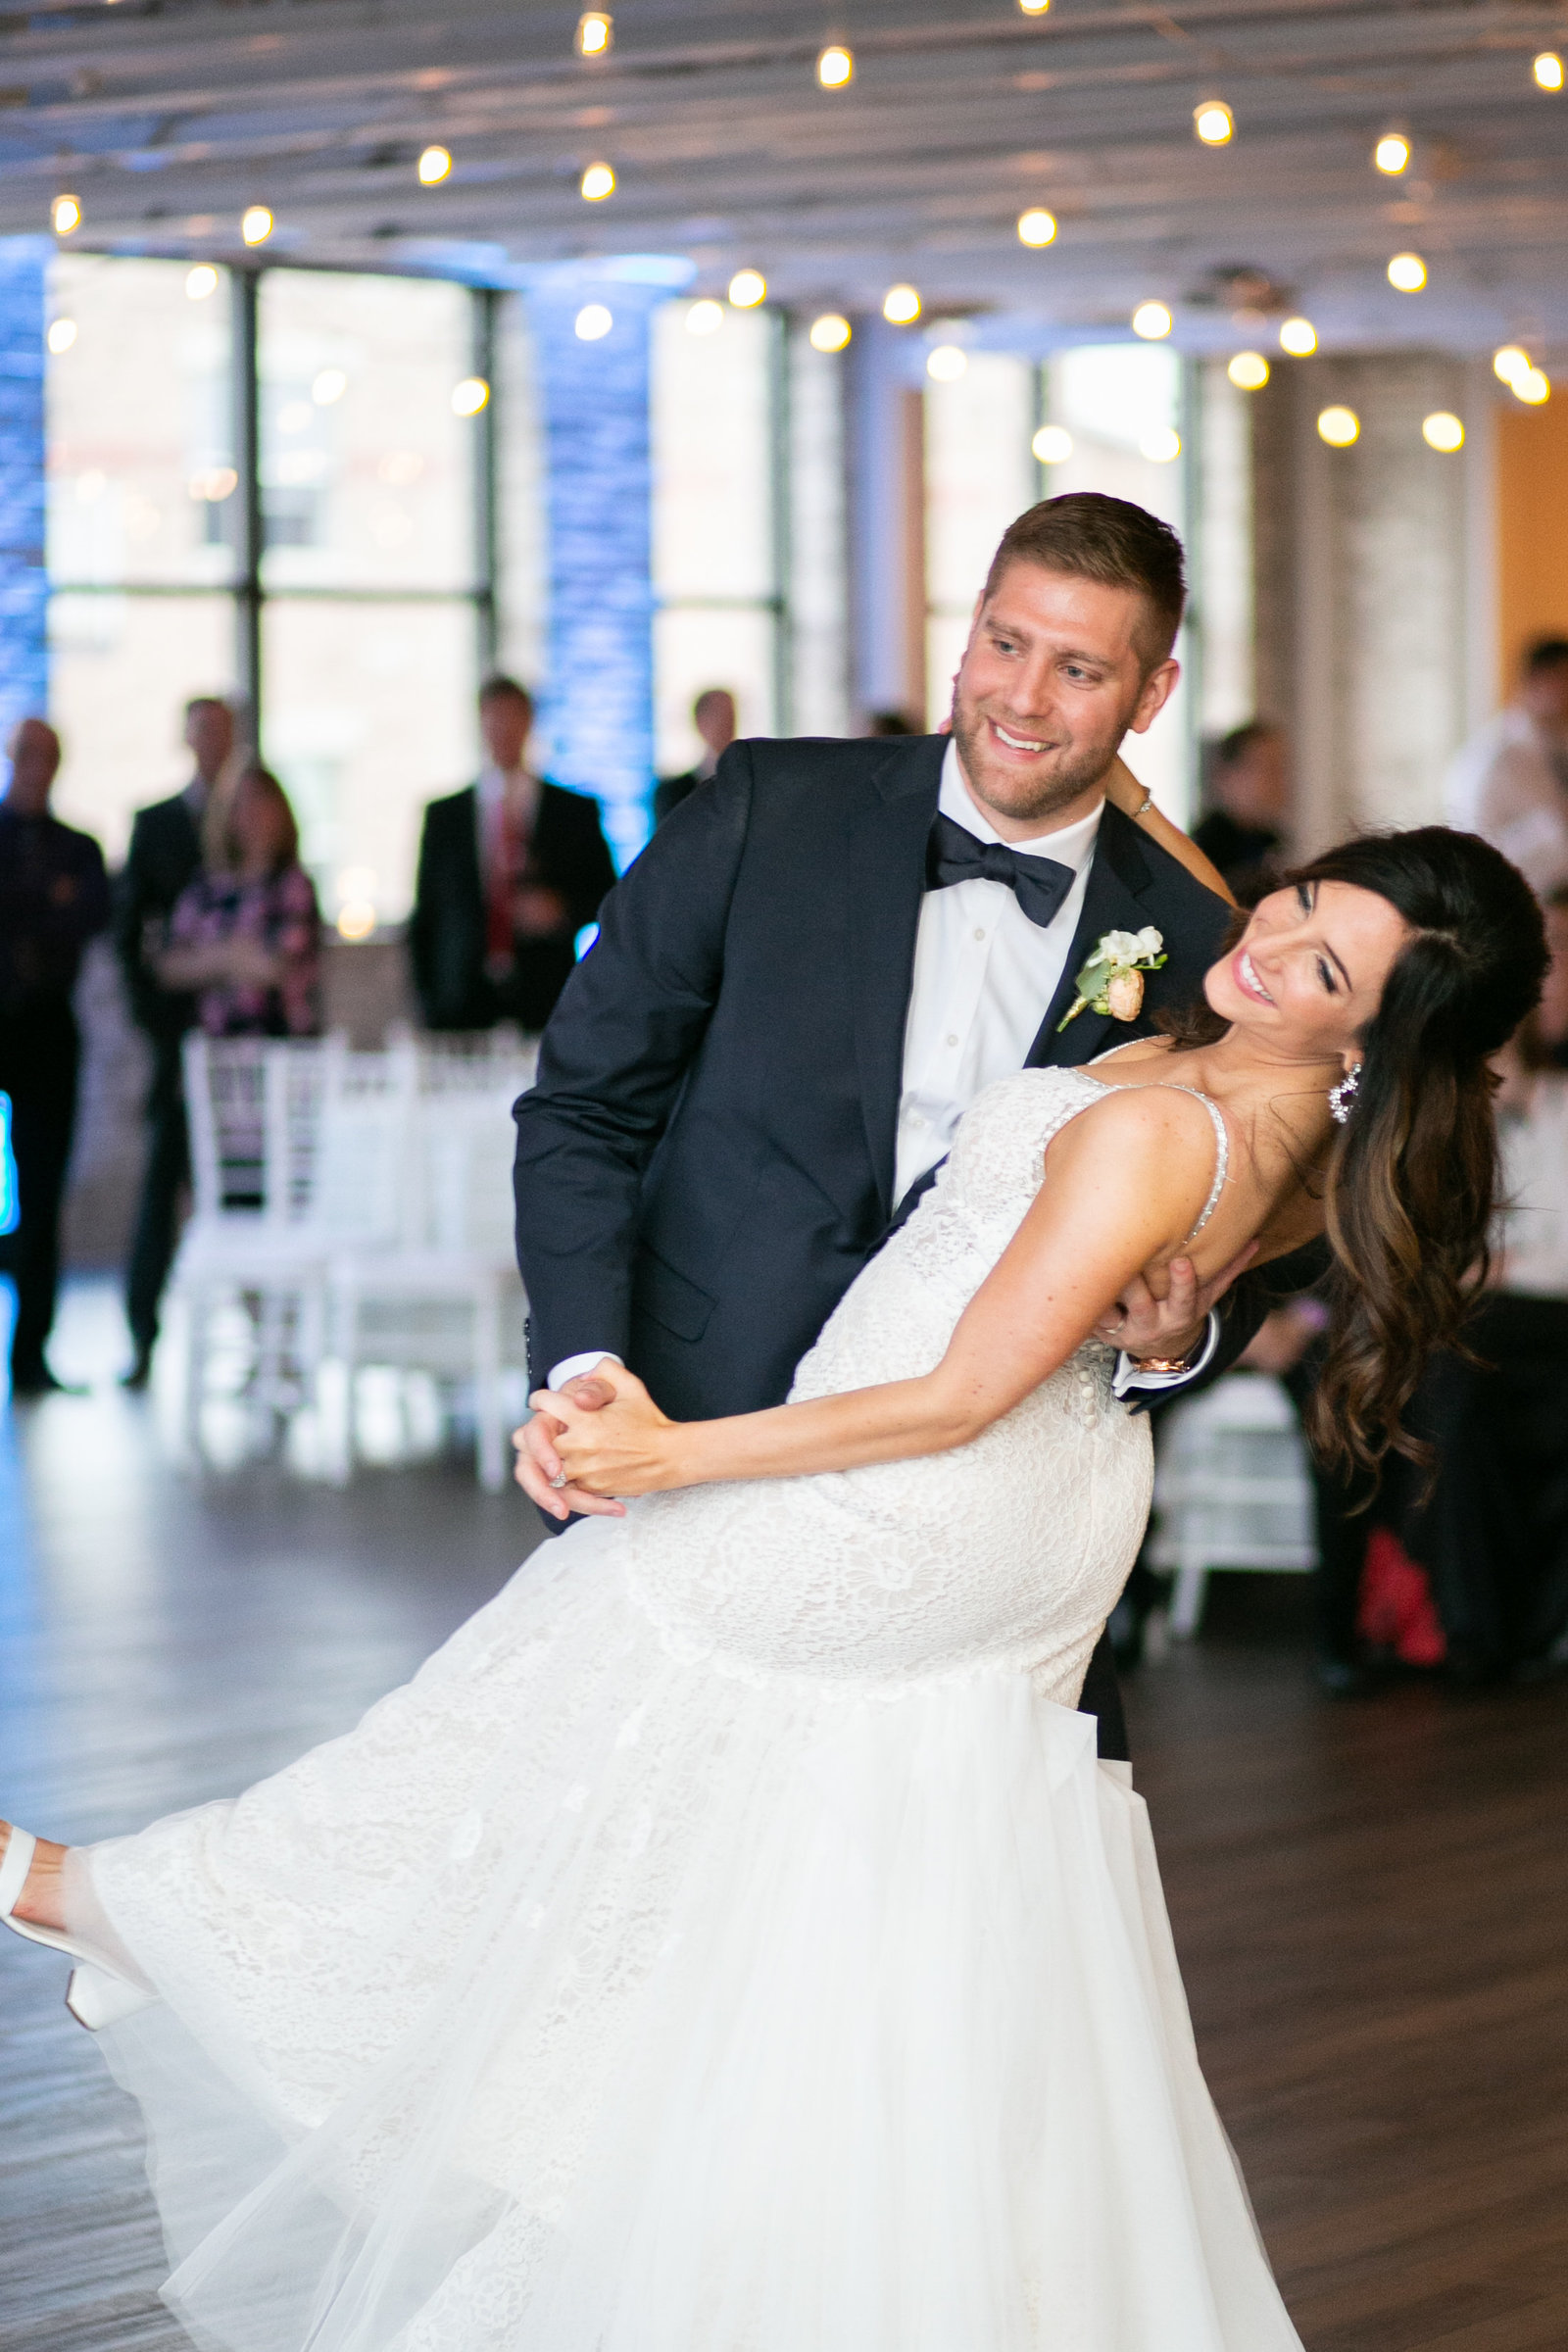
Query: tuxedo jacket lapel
{"points": [[1118, 881], [885, 878]]}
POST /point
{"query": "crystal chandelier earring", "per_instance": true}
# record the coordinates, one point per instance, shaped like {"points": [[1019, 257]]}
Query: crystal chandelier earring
{"points": [[1341, 1097]]}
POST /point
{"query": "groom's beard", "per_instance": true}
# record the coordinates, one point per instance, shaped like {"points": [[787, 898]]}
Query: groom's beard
{"points": [[1062, 773]]}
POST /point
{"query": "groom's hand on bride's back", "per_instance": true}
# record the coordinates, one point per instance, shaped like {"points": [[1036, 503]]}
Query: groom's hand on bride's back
{"points": [[539, 1464], [1172, 1328]]}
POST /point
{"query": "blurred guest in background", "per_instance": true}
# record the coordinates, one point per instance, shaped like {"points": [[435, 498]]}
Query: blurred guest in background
{"points": [[1248, 802], [1510, 782], [245, 936], [1493, 1534], [54, 896], [713, 717], [164, 854], [511, 869]]}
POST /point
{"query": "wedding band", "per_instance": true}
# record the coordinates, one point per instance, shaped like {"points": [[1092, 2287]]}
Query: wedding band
{"points": [[559, 1479]]}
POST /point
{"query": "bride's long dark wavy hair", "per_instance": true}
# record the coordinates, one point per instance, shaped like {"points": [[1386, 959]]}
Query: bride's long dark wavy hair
{"points": [[1413, 1175]]}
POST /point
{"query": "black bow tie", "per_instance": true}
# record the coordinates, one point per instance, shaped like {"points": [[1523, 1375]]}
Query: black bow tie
{"points": [[1039, 884]]}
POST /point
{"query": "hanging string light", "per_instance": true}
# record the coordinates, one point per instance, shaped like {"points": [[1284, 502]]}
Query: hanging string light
{"points": [[1391, 153], [835, 68], [594, 33], [1035, 227], [1248, 371], [1214, 122]]}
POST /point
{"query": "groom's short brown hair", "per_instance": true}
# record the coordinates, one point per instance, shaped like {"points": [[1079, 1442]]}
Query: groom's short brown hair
{"points": [[1106, 539]]}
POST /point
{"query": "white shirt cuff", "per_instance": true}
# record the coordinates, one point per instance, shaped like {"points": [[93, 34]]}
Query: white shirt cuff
{"points": [[572, 1367], [1128, 1375]]}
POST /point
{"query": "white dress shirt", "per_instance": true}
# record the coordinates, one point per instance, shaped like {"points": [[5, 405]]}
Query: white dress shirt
{"points": [[984, 980]]}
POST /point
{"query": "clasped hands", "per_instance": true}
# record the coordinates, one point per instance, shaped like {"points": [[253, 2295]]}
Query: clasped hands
{"points": [[597, 1438]]}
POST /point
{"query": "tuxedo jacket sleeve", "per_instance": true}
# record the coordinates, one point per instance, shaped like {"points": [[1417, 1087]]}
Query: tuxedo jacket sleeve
{"points": [[611, 1070]]}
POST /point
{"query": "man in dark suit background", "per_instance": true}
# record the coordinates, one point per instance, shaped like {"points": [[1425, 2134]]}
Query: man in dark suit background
{"points": [[164, 854], [510, 868], [54, 897], [713, 717], [811, 973]]}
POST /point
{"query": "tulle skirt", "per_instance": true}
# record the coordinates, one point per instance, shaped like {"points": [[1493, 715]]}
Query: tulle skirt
{"points": [[589, 1999]]}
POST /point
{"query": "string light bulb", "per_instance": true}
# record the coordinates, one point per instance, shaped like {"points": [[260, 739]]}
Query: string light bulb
{"points": [[66, 214], [1052, 445], [835, 67], [900, 306], [592, 322], [1248, 371], [1407, 273], [200, 282], [435, 164], [1442, 431], [1214, 122], [947, 364], [1391, 154], [1160, 443], [596, 183], [62, 335], [594, 33], [1152, 320], [830, 333], [1297, 337], [746, 288], [1546, 70], [1034, 8], [1035, 227], [704, 318], [1339, 427], [1509, 363], [1533, 388], [470, 396]]}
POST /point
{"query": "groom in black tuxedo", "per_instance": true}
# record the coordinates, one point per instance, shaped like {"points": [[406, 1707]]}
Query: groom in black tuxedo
{"points": [[812, 970]]}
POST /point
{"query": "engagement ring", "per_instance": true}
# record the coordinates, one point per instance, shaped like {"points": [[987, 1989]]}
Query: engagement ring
{"points": [[559, 1479]]}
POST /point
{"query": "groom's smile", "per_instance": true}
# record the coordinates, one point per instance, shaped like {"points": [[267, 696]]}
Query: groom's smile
{"points": [[1056, 670]]}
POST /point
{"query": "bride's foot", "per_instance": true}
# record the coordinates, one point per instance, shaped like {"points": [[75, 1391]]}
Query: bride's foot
{"points": [[40, 1902]]}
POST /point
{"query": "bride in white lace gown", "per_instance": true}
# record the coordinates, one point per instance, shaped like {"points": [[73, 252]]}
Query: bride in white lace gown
{"points": [[728, 1942]]}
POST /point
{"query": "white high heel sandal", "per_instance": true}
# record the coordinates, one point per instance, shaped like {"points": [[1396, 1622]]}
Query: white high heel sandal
{"points": [[95, 1995]]}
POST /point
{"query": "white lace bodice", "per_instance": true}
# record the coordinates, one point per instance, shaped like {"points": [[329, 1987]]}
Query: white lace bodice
{"points": [[1008, 1554]]}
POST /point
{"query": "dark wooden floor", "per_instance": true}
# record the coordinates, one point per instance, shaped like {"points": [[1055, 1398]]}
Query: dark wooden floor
{"points": [[1371, 1899]]}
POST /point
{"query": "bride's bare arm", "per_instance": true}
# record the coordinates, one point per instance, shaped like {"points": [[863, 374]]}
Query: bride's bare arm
{"points": [[1124, 1185], [1123, 789]]}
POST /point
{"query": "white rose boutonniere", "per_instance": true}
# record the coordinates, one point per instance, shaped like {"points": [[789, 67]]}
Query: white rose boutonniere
{"points": [[1112, 980]]}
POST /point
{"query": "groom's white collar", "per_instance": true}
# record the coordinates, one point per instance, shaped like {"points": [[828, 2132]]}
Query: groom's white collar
{"points": [[1072, 846]]}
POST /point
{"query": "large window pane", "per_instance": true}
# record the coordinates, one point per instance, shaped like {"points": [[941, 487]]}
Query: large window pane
{"points": [[522, 551], [713, 454], [979, 476], [123, 667], [141, 476], [367, 472], [1122, 405], [369, 713], [694, 650]]}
